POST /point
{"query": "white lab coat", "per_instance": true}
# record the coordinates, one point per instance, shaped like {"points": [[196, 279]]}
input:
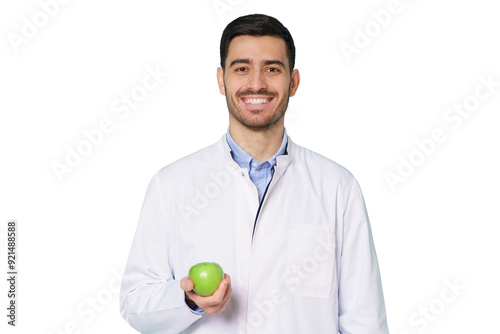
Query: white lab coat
{"points": [[308, 267]]}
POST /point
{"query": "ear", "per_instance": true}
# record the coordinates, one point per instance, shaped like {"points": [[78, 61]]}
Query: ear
{"points": [[294, 84], [220, 80]]}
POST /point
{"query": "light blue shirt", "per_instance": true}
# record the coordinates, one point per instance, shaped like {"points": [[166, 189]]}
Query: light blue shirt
{"points": [[260, 173]]}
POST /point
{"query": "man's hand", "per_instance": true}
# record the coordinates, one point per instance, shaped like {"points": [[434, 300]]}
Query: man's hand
{"points": [[213, 304]]}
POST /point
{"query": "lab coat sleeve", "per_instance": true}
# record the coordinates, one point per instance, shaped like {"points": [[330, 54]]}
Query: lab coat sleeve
{"points": [[151, 299], [361, 300]]}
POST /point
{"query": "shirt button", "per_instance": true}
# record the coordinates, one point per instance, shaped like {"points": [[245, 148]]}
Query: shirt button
{"points": [[254, 164], [242, 174]]}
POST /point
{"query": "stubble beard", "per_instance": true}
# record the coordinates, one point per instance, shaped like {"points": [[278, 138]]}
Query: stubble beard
{"points": [[254, 125]]}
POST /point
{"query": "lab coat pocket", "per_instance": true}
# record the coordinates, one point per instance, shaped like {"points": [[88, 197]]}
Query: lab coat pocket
{"points": [[310, 268]]}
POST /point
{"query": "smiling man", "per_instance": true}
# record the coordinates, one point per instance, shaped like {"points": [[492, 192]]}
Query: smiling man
{"points": [[288, 225]]}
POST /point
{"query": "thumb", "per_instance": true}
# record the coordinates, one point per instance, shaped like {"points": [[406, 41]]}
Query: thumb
{"points": [[187, 284]]}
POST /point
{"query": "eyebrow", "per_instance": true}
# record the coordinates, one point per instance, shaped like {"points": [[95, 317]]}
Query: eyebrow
{"points": [[239, 61], [247, 61], [274, 62]]}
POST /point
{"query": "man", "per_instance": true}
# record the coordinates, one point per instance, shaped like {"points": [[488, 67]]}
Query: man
{"points": [[287, 225]]}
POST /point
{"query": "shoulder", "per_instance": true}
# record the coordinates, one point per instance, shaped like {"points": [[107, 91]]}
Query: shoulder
{"points": [[323, 175], [318, 163], [194, 163]]}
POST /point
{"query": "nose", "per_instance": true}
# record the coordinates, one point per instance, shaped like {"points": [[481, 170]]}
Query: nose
{"points": [[257, 81]]}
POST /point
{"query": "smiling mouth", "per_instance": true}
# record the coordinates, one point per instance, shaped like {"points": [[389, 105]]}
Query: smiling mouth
{"points": [[256, 101]]}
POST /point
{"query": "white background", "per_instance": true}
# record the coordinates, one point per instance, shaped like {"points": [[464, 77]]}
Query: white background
{"points": [[440, 225]]}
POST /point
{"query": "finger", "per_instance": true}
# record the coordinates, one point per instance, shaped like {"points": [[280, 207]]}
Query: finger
{"points": [[212, 302], [223, 291], [227, 296], [186, 284], [222, 306], [218, 295]]}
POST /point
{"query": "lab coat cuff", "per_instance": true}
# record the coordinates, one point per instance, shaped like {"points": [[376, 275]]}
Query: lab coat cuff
{"points": [[197, 310]]}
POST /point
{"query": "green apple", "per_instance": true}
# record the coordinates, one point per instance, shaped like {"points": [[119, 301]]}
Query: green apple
{"points": [[206, 277]]}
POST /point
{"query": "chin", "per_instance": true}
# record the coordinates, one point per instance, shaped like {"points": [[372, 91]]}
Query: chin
{"points": [[261, 124]]}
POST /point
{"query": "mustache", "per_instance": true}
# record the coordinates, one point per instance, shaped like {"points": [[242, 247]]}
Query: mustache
{"points": [[261, 92]]}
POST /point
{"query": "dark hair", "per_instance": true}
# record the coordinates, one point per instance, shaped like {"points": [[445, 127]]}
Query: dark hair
{"points": [[256, 25]]}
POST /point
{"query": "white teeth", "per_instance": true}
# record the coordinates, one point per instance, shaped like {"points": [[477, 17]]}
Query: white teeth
{"points": [[256, 101]]}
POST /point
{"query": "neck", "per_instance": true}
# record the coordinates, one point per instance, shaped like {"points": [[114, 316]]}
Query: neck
{"points": [[260, 144]]}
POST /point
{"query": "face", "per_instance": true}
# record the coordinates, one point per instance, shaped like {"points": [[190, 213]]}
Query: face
{"points": [[257, 82]]}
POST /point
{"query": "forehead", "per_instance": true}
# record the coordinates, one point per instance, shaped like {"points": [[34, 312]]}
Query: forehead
{"points": [[257, 48]]}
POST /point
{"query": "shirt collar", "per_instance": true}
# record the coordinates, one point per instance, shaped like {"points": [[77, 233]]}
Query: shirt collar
{"points": [[242, 158]]}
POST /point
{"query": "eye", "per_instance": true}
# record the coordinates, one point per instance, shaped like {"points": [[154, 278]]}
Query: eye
{"points": [[240, 69], [273, 70]]}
